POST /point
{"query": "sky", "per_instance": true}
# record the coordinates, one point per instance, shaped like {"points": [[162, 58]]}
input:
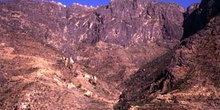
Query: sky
{"points": [[184, 3]]}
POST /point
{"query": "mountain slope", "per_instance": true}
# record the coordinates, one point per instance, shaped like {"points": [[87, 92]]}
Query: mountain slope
{"points": [[125, 55], [185, 79], [55, 57], [33, 77]]}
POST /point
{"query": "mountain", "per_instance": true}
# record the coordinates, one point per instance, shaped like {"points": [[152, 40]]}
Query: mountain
{"points": [[185, 78], [201, 15], [129, 54]]}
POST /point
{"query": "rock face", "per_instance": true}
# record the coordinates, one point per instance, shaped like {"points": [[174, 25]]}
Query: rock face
{"points": [[125, 22], [184, 78], [130, 22], [200, 17]]}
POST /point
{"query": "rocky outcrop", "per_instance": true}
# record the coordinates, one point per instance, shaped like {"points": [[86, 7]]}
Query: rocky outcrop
{"points": [[191, 9], [125, 22], [137, 22], [198, 19], [184, 80], [150, 80]]}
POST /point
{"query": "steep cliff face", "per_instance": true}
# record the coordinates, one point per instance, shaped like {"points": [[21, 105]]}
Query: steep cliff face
{"points": [[124, 22], [130, 22], [107, 45], [185, 78], [43, 20], [198, 19]]}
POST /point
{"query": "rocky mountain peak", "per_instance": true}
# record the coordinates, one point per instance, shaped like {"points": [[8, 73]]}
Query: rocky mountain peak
{"points": [[200, 17]]}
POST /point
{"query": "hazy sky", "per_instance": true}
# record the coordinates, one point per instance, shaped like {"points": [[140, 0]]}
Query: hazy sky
{"points": [[184, 3]]}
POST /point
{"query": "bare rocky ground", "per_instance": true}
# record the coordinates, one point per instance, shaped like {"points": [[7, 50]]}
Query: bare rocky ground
{"points": [[33, 75], [122, 59]]}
